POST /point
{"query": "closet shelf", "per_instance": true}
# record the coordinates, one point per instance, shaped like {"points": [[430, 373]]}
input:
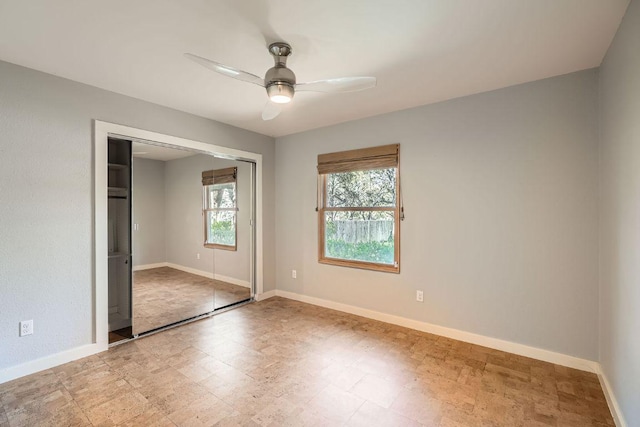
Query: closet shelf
{"points": [[117, 254], [115, 166], [117, 192]]}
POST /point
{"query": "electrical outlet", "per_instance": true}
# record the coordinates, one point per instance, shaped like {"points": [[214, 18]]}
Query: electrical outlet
{"points": [[26, 327], [294, 274], [197, 256], [419, 296]]}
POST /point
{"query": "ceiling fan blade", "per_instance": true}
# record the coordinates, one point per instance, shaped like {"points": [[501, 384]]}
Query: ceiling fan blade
{"points": [[271, 111], [341, 84], [226, 70]]}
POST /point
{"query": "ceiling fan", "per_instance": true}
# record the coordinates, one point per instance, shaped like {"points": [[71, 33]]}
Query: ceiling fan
{"points": [[280, 81]]}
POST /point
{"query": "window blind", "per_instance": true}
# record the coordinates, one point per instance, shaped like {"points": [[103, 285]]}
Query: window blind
{"points": [[382, 157], [219, 176]]}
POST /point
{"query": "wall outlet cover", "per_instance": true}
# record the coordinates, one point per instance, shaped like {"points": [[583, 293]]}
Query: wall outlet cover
{"points": [[26, 327]]}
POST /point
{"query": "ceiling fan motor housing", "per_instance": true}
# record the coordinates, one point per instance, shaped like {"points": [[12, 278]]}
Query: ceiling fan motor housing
{"points": [[279, 80]]}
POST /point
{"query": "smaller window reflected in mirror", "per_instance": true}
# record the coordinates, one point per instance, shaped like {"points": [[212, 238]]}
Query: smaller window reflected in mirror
{"points": [[220, 208]]}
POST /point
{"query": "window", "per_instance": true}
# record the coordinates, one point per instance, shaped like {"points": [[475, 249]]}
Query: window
{"points": [[219, 208], [359, 212]]}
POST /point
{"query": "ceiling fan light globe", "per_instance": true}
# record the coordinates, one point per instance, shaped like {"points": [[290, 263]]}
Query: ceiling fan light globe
{"points": [[280, 99], [280, 92]]}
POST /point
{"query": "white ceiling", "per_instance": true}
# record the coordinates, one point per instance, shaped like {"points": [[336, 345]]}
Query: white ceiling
{"points": [[421, 51]]}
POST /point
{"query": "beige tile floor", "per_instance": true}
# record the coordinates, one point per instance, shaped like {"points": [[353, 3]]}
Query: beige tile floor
{"points": [[164, 295], [284, 363]]}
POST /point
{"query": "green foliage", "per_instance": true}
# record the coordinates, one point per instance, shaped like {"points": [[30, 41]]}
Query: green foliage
{"points": [[379, 252], [356, 234], [222, 226], [369, 188], [331, 228], [222, 233]]}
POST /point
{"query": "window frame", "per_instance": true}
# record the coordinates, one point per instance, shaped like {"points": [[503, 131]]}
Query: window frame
{"points": [[206, 209], [397, 215]]}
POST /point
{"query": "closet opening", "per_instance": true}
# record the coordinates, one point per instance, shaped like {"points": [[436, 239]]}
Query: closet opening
{"points": [[181, 230]]}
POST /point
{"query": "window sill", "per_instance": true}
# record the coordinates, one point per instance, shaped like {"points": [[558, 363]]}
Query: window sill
{"points": [[386, 268], [223, 247]]}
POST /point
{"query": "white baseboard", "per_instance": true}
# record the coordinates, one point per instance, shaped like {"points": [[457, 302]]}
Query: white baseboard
{"points": [[495, 343], [207, 274], [614, 407], [265, 295], [149, 266], [37, 365], [117, 321], [232, 280]]}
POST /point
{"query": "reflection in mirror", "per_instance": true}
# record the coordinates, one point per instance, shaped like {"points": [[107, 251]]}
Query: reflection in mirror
{"points": [[227, 204], [174, 270]]}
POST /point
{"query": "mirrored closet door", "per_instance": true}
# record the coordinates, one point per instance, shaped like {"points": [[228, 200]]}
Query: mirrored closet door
{"points": [[191, 234]]}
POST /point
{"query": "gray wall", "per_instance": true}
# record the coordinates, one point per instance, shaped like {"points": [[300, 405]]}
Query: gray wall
{"points": [[46, 189], [620, 215], [148, 206], [500, 194]]}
